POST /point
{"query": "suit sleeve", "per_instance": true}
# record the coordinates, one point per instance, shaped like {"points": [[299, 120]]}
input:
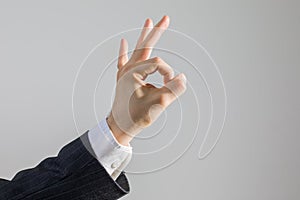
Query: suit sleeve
{"points": [[74, 174]]}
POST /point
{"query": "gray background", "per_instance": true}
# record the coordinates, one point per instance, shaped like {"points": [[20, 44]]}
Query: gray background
{"points": [[255, 43]]}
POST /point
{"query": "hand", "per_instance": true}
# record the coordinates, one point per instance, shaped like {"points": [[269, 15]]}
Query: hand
{"points": [[138, 104]]}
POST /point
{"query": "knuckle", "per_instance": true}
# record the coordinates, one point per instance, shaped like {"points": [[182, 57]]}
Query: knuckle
{"points": [[157, 59], [162, 99], [180, 84], [135, 76], [147, 121], [119, 63], [181, 87]]}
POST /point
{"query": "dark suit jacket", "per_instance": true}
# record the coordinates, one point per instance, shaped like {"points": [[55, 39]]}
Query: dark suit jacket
{"points": [[74, 174]]}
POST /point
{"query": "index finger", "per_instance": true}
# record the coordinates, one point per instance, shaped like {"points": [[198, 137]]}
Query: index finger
{"points": [[150, 66]]}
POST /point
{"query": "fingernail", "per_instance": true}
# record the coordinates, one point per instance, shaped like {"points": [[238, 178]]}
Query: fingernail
{"points": [[166, 21], [147, 22], [183, 77], [167, 17]]}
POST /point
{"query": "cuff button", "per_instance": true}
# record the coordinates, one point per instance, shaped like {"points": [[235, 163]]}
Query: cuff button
{"points": [[114, 165]]}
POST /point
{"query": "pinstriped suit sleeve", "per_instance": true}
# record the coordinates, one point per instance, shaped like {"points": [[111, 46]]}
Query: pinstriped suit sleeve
{"points": [[73, 174]]}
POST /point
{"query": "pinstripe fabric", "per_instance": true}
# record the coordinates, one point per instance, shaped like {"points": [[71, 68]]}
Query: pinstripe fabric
{"points": [[74, 174]]}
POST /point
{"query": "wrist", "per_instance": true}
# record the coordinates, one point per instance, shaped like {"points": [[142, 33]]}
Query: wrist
{"points": [[122, 137]]}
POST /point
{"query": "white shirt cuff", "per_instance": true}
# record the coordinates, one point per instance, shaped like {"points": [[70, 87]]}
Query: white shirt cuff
{"points": [[113, 156]]}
